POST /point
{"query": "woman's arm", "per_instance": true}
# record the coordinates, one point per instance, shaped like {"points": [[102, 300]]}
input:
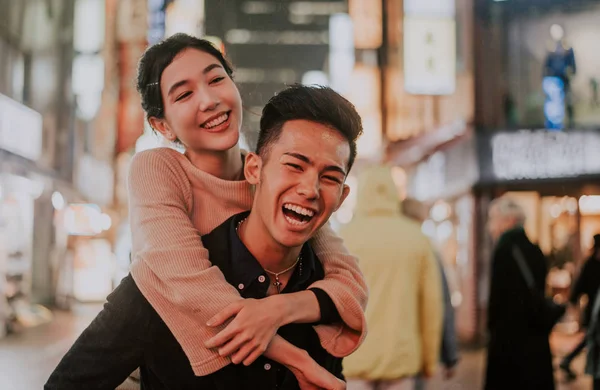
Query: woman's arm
{"points": [[170, 265], [344, 283]]}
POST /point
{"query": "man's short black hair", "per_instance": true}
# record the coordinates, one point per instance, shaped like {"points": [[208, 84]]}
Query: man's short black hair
{"points": [[312, 103]]}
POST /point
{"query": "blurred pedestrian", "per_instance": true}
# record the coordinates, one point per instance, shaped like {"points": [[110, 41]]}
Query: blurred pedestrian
{"points": [[592, 366], [519, 355], [416, 210], [404, 315], [587, 285]]}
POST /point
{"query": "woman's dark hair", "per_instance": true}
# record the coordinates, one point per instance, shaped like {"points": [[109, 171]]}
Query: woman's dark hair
{"points": [[157, 57], [312, 103]]}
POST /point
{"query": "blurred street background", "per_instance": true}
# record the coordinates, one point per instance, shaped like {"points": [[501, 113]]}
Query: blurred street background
{"points": [[466, 100]]}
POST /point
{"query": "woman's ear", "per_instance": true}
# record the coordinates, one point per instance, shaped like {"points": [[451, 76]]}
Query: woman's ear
{"points": [[163, 128], [252, 168]]}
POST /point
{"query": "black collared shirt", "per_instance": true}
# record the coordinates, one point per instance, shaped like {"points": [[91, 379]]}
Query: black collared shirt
{"points": [[167, 367]]}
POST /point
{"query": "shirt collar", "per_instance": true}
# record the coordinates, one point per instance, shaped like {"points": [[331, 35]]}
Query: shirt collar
{"points": [[247, 270]]}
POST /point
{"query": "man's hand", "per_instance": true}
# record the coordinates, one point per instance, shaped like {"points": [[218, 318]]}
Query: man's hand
{"points": [[247, 336], [311, 376]]}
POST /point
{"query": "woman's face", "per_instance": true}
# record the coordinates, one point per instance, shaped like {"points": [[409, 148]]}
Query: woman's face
{"points": [[202, 105]]}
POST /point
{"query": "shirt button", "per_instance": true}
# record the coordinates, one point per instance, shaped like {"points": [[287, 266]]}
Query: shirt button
{"points": [[261, 278], [241, 286], [267, 366]]}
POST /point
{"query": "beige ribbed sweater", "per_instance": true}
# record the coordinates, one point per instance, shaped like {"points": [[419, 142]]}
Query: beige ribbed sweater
{"points": [[172, 203]]}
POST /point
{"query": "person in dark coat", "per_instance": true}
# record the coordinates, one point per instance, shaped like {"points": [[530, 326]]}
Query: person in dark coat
{"points": [[587, 284], [519, 355], [592, 365]]}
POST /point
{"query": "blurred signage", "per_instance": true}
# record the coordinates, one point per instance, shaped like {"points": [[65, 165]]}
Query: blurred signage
{"points": [[429, 47], [364, 92], [156, 20], [432, 8], [341, 52], [20, 129], [185, 16], [539, 154], [366, 16]]}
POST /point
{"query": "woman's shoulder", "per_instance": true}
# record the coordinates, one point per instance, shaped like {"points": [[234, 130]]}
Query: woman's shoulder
{"points": [[166, 160], [159, 154]]}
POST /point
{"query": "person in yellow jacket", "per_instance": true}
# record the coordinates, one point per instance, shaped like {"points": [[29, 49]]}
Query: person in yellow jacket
{"points": [[405, 310]]}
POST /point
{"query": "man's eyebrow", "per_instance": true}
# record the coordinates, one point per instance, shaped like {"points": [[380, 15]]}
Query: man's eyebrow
{"points": [[305, 159], [183, 82]]}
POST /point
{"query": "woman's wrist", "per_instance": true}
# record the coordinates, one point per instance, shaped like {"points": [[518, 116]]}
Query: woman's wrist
{"points": [[281, 351], [300, 307]]}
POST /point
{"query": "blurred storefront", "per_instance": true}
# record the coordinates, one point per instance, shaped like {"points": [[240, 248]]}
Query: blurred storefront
{"points": [[37, 143], [554, 175]]}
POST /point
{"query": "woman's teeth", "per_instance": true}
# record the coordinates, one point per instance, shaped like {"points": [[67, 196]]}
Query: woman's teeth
{"points": [[216, 122]]}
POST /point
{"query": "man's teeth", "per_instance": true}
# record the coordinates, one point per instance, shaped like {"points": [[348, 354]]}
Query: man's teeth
{"points": [[299, 209], [294, 221], [216, 121]]}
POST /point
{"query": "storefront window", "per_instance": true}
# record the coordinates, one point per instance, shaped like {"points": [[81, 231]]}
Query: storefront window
{"points": [[552, 68]]}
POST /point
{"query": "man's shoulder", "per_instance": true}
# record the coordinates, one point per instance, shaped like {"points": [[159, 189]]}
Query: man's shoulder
{"points": [[218, 236]]}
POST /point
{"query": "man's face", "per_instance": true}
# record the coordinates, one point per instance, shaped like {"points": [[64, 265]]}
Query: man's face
{"points": [[300, 180]]}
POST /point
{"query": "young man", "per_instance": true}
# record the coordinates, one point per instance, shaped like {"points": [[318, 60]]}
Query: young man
{"points": [[306, 147]]}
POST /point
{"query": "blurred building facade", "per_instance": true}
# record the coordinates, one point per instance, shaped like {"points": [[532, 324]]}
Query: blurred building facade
{"points": [[539, 127], [37, 144]]}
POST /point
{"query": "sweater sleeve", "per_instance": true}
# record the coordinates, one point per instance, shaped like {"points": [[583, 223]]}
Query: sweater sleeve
{"points": [[346, 286], [431, 311], [164, 238]]}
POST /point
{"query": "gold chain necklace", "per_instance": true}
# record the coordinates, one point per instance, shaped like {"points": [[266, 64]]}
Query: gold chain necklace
{"points": [[276, 283]]}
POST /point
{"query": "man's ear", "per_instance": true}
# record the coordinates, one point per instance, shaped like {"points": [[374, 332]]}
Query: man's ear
{"points": [[253, 168], [162, 127], [345, 192]]}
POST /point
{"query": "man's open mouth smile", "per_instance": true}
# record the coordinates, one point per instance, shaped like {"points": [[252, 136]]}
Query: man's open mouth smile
{"points": [[296, 214]]}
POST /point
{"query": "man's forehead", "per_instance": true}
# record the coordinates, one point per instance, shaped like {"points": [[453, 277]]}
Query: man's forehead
{"points": [[313, 138]]}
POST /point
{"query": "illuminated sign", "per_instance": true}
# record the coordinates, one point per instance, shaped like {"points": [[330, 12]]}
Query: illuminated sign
{"points": [[429, 47], [366, 16], [20, 129], [543, 155]]}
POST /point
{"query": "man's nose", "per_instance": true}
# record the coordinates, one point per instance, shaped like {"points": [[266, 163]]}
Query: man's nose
{"points": [[309, 186]]}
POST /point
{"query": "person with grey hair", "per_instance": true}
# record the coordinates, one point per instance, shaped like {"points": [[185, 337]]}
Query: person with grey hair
{"points": [[519, 353]]}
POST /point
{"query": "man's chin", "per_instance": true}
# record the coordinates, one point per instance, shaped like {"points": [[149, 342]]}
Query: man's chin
{"points": [[292, 239]]}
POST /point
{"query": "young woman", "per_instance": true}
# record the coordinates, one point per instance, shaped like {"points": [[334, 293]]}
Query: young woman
{"points": [[189, 96]]}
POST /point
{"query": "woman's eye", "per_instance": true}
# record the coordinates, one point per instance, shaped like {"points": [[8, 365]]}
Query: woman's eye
{"points": [[294, 166], [183, 96], [217, 79]]}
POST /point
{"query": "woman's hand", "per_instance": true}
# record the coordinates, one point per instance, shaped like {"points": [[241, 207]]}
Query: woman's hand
{"points": [[248, 335], [312, 376]]}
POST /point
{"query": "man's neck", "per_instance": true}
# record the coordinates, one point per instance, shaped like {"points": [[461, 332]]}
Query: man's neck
{"points": [[271, 255]]}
